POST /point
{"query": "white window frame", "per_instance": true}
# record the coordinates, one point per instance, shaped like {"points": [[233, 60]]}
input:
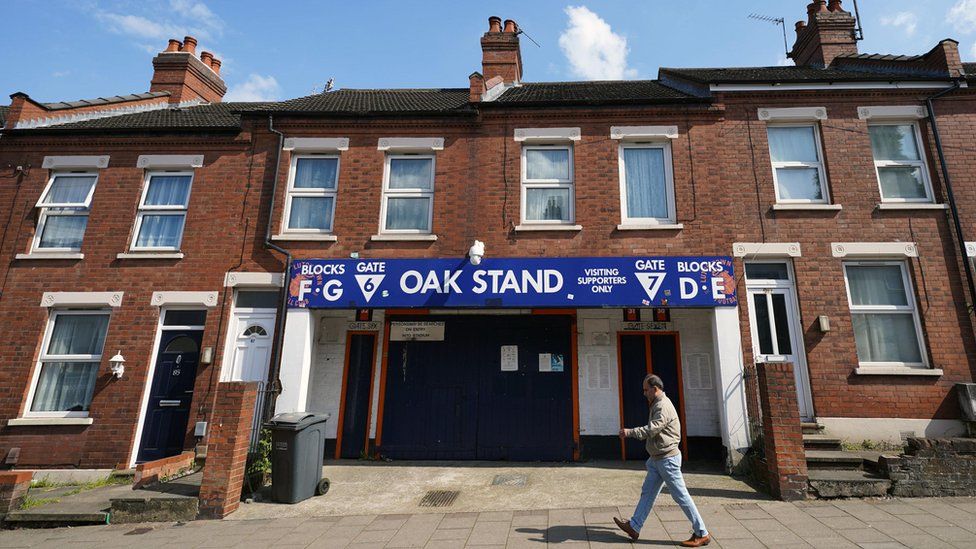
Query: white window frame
{"points": [[60, 209], [313, 192], [43, 358], [819, 165], [145, 210], [625, 218], [407, 193], [569, 184], [921, 163], [910, 307]]}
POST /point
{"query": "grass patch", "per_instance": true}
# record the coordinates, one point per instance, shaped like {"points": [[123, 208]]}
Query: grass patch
{"points": [[48, 483], [31, 502], [107, 481], [871, 445]]}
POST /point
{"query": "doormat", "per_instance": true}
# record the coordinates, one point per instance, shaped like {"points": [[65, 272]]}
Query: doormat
{"points": [[439, 498], [512, 479]]}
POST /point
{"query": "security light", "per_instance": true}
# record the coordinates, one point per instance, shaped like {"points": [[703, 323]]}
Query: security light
{"points": [[476, 252]]}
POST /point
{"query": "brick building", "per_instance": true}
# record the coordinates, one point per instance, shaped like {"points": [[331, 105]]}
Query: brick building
{"points": [[487, 272]]}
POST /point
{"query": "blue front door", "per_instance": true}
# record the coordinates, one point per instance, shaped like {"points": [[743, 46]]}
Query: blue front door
{"points": [[170, 395]]}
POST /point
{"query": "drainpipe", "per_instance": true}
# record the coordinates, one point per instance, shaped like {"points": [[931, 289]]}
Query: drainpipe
{"points": [[967, 264], [273, 381]]}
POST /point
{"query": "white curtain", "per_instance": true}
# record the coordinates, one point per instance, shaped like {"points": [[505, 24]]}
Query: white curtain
{"points": [[168, 190], [646, 183], [311, 212], [893, 142], [901, 182], [407, 213], [68, 386], [547, 164], [410, 173], [792, 144], [160, 231], [316, 173], [876, 285], [63, 231], [69, 190], [547, 204], [886, 338]]}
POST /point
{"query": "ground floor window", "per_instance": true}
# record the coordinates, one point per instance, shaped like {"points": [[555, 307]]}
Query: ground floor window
{"points": [[883, 311], [69, 362]]}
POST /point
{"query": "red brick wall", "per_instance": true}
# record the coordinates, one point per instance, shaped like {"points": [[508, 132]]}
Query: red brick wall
{"points": [[154, 471], [230, 435], [786, 464]]}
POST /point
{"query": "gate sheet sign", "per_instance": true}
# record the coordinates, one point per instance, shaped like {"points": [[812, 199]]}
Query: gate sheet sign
{"points": [[513, 282]]}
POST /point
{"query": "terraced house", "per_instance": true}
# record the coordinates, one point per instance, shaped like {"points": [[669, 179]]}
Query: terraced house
{"points": [[486, 272]]}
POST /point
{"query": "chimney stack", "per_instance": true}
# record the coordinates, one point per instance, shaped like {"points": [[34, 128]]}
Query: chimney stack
{"points": [[500, 53], [827, 34], [178, 71]]}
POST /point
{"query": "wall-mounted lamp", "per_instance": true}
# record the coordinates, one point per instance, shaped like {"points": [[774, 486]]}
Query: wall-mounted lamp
{"points": [[117, 365], [206, 355], [476, 252], [824, 323]]}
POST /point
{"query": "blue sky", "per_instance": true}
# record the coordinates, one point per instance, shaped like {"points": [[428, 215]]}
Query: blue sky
{"points": [[64, 50]]}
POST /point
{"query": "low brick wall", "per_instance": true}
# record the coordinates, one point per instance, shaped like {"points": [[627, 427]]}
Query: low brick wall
{"points": [[786, 465], [933, 467], [227, 446], [152, 472], [13, 488]]}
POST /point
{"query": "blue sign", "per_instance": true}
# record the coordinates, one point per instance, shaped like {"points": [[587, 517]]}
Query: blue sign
{"points": [[512, 282]]}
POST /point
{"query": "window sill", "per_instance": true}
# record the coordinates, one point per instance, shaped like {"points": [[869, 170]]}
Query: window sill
{"points": [[811, 207], [539, 228], [898, 371], [150, 255], [403, 237], [306, 237], [651, 227], [39, 421], [911, 206], [51, 255]]}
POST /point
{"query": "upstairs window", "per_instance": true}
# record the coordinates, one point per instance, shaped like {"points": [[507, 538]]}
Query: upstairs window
{"points": [[312, 185], [798, 171], [646, 184], [886, 325], [64, 207], [162, 211], [69, 363], [408, 194], [547, 184], [902, 173]]}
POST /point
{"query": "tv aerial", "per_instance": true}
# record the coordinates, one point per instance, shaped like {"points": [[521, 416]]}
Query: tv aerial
{"points": [[776, 21]]}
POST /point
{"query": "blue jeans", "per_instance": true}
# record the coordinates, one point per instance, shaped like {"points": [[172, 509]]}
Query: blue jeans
{"points": [[661, 472]]}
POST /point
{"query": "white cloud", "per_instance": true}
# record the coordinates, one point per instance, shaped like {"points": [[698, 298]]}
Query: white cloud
{"points": [[255, 88], [962, 16], [199, 13], [594, 51], [905, 20], [139, 26], [181, 18]]}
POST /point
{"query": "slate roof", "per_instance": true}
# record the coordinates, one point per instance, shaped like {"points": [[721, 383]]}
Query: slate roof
{"points": [[590, 93], [378, 102], [215, 116], [99, 101], [768, 75]]}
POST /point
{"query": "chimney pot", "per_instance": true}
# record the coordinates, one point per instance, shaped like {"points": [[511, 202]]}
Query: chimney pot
{"points": [[190, 45], [821, 5], [206, 57], [800, 25], [494, 24], [215, 65], [510, 26], [834, 5], [174, 45]]}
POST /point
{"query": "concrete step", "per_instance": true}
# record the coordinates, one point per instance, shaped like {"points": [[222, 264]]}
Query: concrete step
{"points": [[821, 442], [831, 459], [811, 427], [847, 484], [41, 518]]}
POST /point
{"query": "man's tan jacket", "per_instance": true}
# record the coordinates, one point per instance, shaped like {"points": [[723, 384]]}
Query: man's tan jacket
{"points": [[663, 429]]}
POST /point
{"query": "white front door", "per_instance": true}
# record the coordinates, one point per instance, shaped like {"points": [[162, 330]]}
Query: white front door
{"points": [[775, 324], [251, 339]]}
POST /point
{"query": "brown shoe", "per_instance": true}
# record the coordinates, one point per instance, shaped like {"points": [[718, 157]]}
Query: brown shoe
{"points": [[696, 541], [627, 528]]}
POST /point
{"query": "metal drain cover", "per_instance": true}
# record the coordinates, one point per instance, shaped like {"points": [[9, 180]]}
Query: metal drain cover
{"points": [[439, 498], [513, 479]]}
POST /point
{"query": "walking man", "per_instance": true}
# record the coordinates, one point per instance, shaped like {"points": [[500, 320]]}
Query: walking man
{"points": [[663, 436]]}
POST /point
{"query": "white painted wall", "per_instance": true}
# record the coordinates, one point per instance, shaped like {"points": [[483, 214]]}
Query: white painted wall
{"points": [[698, 369]]}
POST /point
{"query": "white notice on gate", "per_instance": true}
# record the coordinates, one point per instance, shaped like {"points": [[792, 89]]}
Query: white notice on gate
{"points": [[416, 331], [545, 362], [509, 358]]}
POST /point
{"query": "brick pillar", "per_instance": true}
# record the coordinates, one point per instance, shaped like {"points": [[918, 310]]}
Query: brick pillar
{"points": [[227, 446], [750, 381], [786, 464], [13, 488]]}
